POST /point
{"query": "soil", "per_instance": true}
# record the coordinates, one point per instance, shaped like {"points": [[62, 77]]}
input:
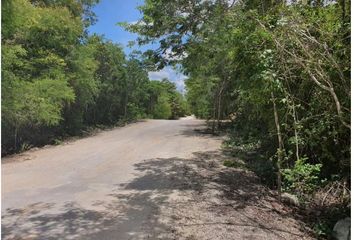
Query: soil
{"points": [[157, 179]]}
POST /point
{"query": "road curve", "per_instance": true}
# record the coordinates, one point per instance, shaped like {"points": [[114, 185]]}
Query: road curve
{"points": [[129, 183]]}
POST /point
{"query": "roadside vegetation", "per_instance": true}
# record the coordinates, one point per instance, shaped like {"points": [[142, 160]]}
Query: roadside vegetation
{"points": [[275, 75], [280, 72], [59, 81]]}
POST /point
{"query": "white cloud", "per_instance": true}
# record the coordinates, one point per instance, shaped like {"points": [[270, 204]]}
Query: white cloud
{"points": [[159, 75], [169, 55], [133, 22], [140, 22], [170, 74], [180, 84]]}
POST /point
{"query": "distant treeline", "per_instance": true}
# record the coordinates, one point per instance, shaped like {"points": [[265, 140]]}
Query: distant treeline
{"points": [[57, 80]]}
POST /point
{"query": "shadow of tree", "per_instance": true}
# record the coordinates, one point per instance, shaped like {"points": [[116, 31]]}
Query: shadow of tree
{"points": [[169, 198], [237, 190], [36, 221], [116, 221]]}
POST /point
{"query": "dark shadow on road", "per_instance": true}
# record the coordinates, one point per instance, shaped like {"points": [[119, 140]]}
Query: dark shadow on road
{"points": [[200, 131], [134, 211], [36, 222], [116, 221], [240, 189]]}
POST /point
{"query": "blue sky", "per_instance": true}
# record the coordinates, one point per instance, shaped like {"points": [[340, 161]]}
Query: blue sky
{"points": [[109, 13]]}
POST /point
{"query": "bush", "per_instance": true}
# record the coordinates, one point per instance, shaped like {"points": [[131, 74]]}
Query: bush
{"points": [[303, 178]]}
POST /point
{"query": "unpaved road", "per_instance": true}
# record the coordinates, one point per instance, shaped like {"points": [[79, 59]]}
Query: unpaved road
{"points": [[155, 179]]}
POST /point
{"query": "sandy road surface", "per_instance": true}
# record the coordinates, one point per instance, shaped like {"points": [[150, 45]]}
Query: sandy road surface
{"points": [[155, 179]]}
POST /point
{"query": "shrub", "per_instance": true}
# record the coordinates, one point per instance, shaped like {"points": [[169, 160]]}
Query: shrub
{"points": [[303, 178]]}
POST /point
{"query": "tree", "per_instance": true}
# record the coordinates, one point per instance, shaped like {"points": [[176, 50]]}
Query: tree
{"points": [[34, 95], [279, 70]]}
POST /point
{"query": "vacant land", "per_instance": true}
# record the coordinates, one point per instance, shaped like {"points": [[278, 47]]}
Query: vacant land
{"points": [[155, 179]]}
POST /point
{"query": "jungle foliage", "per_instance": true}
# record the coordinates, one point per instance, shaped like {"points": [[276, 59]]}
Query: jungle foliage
{"points": [[57, 80], [279, 70]]}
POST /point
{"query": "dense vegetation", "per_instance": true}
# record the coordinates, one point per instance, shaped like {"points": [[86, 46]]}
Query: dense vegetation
{"points": [[58, 81], [280, 71]]}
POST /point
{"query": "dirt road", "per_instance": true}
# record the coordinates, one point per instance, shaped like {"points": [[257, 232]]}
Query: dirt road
{"points": [[155, 179]]}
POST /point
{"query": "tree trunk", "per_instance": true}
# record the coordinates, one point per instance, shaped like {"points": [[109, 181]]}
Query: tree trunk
{"points": [[295, 133], [222, 87], [125, 105], [15, 135], [214, 116], [219, 108], [280, 146]]}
